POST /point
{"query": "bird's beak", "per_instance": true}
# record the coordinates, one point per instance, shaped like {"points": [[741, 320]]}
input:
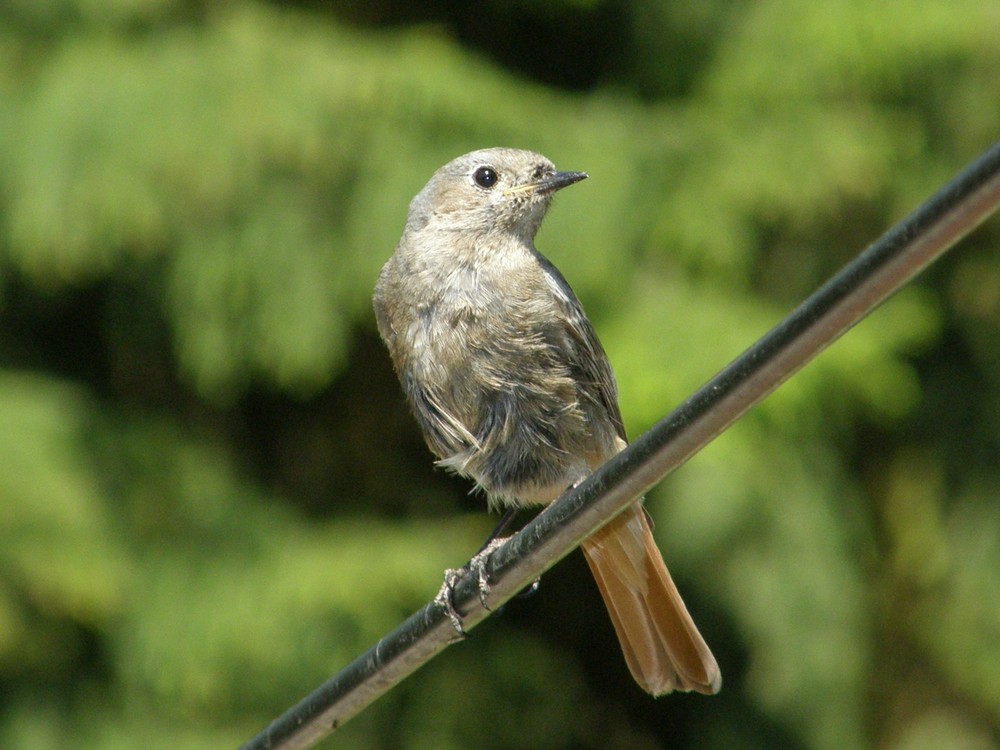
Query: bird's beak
{"points": [[548, 184]]}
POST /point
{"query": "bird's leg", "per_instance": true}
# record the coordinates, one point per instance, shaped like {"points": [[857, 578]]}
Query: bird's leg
{"points": [[478, 565], [446, 598], [446, 595], [505, 521], [494, 540]]}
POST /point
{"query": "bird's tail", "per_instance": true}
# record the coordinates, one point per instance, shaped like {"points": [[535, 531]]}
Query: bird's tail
{"points": [[662, 646]]}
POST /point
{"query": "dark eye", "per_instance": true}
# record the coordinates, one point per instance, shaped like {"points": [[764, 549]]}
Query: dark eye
{"points": [[485, 177]]}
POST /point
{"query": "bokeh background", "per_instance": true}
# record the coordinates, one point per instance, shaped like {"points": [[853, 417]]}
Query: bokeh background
{"points": [[212, 496]]}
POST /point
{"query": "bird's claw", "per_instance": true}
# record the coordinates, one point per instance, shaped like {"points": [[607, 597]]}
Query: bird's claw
{"points": [[446, 598], [446, 595]]}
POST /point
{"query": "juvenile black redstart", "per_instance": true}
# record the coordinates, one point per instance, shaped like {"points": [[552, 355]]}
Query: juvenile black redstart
{"points": [[512, 388]]}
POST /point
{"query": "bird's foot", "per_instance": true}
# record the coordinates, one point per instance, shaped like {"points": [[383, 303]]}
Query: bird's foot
{"points": [[446, 595], [446, 598]]}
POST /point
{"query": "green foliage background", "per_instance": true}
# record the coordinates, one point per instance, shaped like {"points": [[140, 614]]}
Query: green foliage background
{"points": [[212, 496]]}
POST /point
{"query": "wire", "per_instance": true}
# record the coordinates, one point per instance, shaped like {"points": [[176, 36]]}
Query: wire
{"points": [[856, 290]]}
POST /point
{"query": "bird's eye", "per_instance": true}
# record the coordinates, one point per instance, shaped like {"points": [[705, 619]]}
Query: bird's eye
{"points": [[485, 177]]}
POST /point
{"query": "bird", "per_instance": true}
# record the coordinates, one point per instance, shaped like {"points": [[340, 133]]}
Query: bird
{"points": [[512, 388]]}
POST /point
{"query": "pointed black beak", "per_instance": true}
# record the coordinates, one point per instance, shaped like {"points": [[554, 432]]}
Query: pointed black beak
{"points": [[558, 181], [549, 184]]}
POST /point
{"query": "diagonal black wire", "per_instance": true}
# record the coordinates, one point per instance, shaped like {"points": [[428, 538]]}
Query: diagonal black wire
{"points": [[881, 269]]}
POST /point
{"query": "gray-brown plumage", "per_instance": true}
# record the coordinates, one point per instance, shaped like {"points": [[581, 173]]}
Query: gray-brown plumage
{"points": [[512, 388]]}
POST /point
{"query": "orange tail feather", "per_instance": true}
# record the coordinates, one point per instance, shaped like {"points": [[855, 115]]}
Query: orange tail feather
{"points": [[662, 646]]}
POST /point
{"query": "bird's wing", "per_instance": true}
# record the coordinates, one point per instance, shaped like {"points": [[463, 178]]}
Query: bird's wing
{"points": [[597, 378]]}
